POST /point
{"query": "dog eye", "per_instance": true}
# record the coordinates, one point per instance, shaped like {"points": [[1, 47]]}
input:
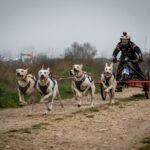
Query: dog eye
{"points": [[44, 72]]}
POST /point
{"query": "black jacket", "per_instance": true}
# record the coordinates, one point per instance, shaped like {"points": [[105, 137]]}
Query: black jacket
{"points": [[131, 51]]}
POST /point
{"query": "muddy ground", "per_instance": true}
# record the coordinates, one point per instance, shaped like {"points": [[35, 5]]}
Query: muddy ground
{"points": [[106, 127]]}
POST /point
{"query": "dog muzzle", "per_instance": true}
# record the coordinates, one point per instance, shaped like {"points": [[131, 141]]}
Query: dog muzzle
{"points": [[19, 75], [42, 78], [108, 74], [75, 70]]}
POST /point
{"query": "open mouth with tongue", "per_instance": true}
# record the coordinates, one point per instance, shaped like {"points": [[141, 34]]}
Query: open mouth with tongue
{"points": [[76, 71], [42, 78]]}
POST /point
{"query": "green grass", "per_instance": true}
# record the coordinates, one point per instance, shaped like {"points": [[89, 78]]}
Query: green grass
{"points": [[39, 126], [147, 147], [94, 109], [8, 98], [136, 97], [146, 142], [65, 91], [97, 89], [34, 127], [64, 72]]}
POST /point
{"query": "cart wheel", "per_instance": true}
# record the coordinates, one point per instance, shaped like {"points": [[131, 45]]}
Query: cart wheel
{"points": [[102, 92], [147, 86], [147, 75], [147, 91]]}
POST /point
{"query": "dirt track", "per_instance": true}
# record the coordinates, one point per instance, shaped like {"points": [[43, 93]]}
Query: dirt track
{"points": [[117, 127]]}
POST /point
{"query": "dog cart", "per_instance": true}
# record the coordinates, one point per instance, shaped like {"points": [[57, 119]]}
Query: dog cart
{"points": [[130, 78], [145, 84]]}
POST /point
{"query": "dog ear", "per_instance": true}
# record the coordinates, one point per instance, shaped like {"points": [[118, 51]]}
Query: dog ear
{"points": [[42, 67], [111, 65], [48, 69], [81, 66], [106, 65], [27, 69]]}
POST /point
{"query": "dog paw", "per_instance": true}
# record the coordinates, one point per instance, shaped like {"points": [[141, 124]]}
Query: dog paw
{"points": [[49, 109], [92, 106], [79, 105], [45, 113], [23, 104]]}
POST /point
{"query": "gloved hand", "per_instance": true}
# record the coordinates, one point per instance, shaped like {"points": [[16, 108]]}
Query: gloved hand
{"points": [[114, 60]]}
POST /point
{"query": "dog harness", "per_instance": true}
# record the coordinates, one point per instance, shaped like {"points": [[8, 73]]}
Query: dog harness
{"points": [[107, 79], [44, 88], [24, 89], [78, 83], [35, 80]]}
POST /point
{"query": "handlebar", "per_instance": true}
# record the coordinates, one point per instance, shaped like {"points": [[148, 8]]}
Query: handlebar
{"points": [[127, 60]]}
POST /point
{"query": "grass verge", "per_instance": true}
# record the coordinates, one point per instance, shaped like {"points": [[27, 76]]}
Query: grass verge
{"points": [[136, 97], [8, 98], [146, 142]]}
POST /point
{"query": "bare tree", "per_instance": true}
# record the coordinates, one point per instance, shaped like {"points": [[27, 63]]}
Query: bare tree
{"points": [[41, 58], [83, 51]]}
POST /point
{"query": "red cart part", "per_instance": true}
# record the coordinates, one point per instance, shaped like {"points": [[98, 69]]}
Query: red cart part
{"points": [[134, 81], [129, 82], [145, 84]]}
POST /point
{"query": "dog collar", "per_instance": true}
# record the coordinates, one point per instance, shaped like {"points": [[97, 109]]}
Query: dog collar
{"points": [[79, 76]]}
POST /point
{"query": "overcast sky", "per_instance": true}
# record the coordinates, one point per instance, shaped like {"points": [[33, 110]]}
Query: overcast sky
{"points": [[55, 24]]}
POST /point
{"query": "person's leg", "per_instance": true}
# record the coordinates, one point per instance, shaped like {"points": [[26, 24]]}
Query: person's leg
{"points": [[119, 70], [138, 69], [118, 76]]}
